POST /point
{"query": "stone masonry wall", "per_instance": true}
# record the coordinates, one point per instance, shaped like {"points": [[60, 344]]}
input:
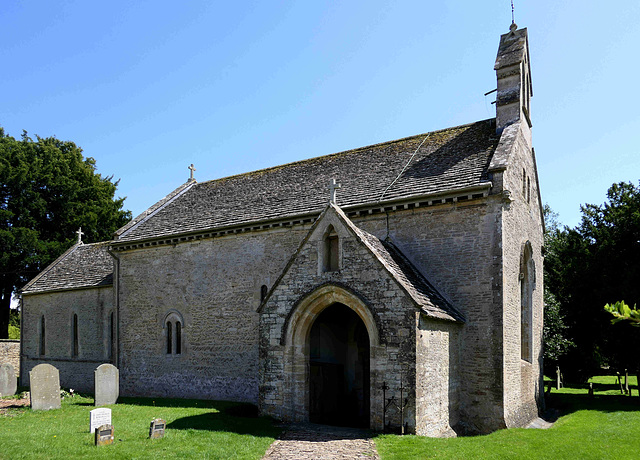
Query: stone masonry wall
{"points": [[523, 389], [10, 353], [458, 248], [437, 377], [284, 381], [215, 286], [93, 307]]}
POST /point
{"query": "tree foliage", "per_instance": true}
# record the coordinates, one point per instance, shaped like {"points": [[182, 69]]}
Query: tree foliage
{"points": [[47, 191], [622, 312], [591, 265], [555, 332]]}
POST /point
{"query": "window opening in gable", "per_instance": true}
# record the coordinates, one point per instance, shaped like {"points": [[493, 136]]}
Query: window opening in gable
{"points": [[331, 251], [74, 327], [263, 292]]}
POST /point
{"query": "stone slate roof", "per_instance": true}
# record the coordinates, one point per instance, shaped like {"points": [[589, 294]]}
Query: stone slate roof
{"points": [[82, 266], [445, 160]]}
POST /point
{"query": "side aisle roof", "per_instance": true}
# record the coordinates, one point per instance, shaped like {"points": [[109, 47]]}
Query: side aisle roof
{"points": [[81, 266]]}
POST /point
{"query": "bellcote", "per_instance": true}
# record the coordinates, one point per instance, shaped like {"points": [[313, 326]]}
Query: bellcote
{"points": [[514, 79]]}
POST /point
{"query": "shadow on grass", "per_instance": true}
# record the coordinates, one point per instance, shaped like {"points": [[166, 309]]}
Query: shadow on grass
{"points": [[567, 403], [225, 416]]}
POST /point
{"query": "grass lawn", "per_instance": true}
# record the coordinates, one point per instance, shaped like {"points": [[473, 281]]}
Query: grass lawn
{"points": [[195, 429], [606, 426]]}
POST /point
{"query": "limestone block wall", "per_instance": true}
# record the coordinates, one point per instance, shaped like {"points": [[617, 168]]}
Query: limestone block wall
{"points": [[10, 353], [523, 388], [437, 377], [363, 285], [93, 307], [214, 285], [458, 247]]}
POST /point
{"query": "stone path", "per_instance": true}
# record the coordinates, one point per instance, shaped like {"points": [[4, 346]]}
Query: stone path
{"points": [[310, 441]]}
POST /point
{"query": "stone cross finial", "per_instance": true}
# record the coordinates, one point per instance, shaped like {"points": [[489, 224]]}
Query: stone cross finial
{"points": [[332, 190], [79, 233], [192, 169]]}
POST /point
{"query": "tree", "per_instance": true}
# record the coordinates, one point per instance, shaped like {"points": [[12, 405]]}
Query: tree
{"points": [[593, 264], [622, 312], [556, 342], [47, 191]]}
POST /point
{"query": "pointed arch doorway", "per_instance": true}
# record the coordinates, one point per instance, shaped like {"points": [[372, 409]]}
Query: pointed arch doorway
{"points": [[339, 368]]}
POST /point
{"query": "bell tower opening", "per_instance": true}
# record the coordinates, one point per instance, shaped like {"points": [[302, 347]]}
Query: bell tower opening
{"points": [[339, 368]]}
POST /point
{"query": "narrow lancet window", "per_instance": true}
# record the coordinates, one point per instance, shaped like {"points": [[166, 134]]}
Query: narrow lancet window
{"points": [[178, 338], [42, 336], [75, 335], [331, 251], [169, 337]]}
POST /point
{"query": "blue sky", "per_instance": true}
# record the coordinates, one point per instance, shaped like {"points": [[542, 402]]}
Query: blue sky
{"points": [[149, 87]]}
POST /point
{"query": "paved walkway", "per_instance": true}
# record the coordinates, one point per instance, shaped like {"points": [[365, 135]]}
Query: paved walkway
{"points": [[310, 441]]}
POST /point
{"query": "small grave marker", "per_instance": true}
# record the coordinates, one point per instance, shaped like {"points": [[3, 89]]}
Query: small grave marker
{"points": [[45, 387], [99, 417], [104, 435], [106, 384], [8, 381], [156, 430]]}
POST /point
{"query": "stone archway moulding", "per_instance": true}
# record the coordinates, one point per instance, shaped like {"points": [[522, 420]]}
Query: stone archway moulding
{"points": [[298, 327]]}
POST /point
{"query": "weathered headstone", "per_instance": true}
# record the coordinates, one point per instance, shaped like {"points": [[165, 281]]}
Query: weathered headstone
{"points": [[104, 435], [99, 417], [8, 381], [45, 387], [156, 430], [106, 384]]}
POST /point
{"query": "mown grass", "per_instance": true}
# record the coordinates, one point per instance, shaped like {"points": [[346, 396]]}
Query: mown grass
{"points": [[605, 426], [195, 429]]}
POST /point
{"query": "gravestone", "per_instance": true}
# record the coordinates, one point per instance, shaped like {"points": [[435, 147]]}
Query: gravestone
{"points": [[156, 430], [8, 381], [106, 384], [99, 417], [104, 435], [45, 387]]}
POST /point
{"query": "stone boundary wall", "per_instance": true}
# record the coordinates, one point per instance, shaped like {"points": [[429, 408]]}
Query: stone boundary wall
{"points": [[10, 353]]}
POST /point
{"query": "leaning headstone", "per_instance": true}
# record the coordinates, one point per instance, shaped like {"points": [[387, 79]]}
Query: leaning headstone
{"points": [[106, 384], [45, 387], [156, 430], [8, 381], [104, 435], [99, 417]]}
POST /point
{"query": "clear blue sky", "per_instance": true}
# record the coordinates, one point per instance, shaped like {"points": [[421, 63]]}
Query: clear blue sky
{"points": [[149, 87]]}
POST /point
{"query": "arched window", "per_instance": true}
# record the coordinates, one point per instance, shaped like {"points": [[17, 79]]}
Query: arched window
{"points": [[169, 337], [42, 336], [178, 338], [331, 253], [74, 327], [527, 286], [173, 327], [263, 292]]}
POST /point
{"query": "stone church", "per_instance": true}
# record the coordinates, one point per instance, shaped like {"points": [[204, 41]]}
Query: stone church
{"points": [[394, 284]]}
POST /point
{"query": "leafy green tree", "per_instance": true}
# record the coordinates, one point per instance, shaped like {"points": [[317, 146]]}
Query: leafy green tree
{"points": [[47, 191], [622, 312], [555, 331], [593, 264]]}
